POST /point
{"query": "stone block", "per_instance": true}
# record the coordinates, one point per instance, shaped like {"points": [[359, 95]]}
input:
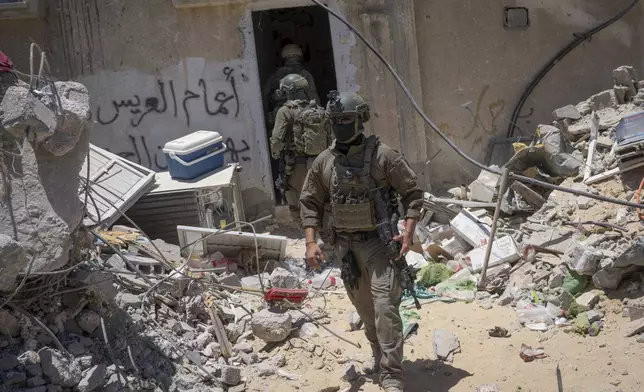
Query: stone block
{"points": [[605, 99], [569, 111]]}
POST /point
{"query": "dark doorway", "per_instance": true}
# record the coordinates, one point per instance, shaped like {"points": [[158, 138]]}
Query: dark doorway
{"points": [[307, 27]]}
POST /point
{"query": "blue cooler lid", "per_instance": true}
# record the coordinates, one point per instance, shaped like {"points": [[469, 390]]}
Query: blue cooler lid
{"points": [[192, 142]]}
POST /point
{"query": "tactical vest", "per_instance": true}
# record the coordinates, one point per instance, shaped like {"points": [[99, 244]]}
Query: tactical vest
{"points": [[351, 192], [311, 130]]}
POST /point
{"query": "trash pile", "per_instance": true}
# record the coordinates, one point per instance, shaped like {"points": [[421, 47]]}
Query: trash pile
{"points": [[554, 253]]}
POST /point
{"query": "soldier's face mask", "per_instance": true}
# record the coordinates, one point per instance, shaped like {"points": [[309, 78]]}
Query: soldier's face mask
{"points": [[346, 128]]}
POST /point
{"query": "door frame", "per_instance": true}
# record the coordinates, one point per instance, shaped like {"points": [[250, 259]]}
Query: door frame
{"points": [[342, 42]]}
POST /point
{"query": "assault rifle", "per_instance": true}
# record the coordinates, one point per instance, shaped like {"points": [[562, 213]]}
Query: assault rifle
{"points": [[387, 230]]}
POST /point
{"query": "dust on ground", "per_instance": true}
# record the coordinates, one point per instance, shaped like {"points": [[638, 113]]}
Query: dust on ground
{"points": [[605, 363]]}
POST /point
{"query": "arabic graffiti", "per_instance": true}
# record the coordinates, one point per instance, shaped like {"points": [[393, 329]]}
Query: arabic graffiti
{"points": [[159, 104], [234, 153], [134, 155], [495, 108]]}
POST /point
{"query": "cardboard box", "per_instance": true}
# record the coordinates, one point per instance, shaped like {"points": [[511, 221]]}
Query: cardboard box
{"points": [[504, 250], [469, 228]]}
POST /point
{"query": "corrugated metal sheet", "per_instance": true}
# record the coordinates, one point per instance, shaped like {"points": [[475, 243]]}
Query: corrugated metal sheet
{"points": [[271, 247], [115, 184], [158, 215]]}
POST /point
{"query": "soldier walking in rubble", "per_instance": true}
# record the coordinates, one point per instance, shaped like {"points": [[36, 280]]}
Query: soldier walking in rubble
{"points": [[301, 132], [271, 95], [341, 184]]}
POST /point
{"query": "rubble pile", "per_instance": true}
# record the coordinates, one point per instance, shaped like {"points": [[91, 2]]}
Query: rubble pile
{"points": [[139, 317], [554, 253], [43, 140]]}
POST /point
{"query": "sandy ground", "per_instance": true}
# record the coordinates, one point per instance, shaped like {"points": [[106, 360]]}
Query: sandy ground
{"points": [[608, 362]]}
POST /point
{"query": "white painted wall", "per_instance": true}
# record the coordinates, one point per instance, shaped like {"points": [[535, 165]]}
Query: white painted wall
{"points": [[134, 115]]}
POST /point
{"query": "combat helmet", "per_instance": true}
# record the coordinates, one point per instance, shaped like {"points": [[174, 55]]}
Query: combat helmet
{"points": [[291, 84], [291, 50], [347, 112]]}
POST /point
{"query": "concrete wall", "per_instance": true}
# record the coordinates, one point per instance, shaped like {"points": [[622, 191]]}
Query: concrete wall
{"points": [[473, 70], [156, 72]]}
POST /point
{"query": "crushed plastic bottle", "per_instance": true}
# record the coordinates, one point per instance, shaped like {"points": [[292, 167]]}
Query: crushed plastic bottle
{"points": [[535, 314], [322, 281]]}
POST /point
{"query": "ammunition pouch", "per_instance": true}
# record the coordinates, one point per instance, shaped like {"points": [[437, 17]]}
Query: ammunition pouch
{"points": [[354, 217]]}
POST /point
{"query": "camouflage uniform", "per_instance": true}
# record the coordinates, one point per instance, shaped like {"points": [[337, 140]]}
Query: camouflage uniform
{"points": [[296, 166], [378, 295], [272, 106]]}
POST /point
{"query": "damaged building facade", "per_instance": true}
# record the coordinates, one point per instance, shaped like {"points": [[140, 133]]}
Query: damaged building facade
{"points": [[157, 70]]}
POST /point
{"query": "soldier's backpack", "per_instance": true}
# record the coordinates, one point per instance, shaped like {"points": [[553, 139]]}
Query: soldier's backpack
{"points": [[311, 130]]}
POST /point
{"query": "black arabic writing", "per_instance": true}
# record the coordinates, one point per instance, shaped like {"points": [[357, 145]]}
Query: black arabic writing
{"points": [[159, 103], [234, 152], [134, 155]]}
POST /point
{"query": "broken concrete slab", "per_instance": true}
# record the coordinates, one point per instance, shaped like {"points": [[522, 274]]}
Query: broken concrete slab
{"points": [[446, 344], [12, 258], [59, 368], [21, 110], [605, 99], [93, 378], [589, 299], [74, 98], [634, 255], [610, 277], [634, 328], [569, 111], [271, 326], [635, 309], [44, 210]]}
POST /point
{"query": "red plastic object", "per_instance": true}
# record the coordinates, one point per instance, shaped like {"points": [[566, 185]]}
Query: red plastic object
{"points": [[295, 296]]}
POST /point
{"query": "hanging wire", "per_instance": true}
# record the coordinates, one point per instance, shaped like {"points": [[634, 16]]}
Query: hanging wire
{"points": [[448, 141]]}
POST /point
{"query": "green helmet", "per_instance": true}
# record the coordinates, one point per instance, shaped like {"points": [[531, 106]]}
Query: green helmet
{"points": [[292, 83], [347, 113]]}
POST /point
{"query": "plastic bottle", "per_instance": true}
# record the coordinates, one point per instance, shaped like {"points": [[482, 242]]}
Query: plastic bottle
{"points": [[535, 314], [319, 282], [454, 265]]}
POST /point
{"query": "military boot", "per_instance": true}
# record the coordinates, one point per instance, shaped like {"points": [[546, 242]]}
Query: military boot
{"points": [[372, 365]]}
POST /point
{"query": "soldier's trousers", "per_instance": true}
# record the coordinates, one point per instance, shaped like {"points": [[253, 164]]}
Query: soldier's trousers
{"points": [[377, 301], [295, 184]]}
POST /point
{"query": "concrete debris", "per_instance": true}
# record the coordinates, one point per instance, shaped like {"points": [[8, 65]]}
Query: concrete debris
{"points": [[93, 378], [488, 388], [446, 344], [635, 309], [271, 326], [9, 325], [567, 112], [230, 375], [350, 373], [59, 368], [283, 278], [88, 320], [582, 259], [12, 258], [44, 201], [355, 322], [589, 299]]}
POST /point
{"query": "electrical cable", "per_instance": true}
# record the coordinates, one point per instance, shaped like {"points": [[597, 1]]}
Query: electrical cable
{"points": [[556, 59], [449, 142]]}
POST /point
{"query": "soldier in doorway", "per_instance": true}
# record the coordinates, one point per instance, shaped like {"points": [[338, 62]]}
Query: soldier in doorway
{"points": [[271, 94], [301, 132], [339, 195]]}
